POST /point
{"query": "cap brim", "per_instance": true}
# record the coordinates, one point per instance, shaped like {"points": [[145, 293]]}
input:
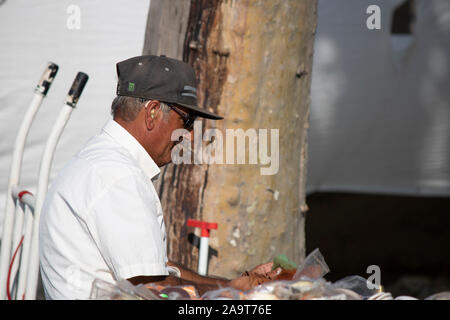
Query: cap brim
{"points": [[202, 112]]}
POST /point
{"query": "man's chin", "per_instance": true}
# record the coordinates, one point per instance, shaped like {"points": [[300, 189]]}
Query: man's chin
{"points": [[165, 162]]}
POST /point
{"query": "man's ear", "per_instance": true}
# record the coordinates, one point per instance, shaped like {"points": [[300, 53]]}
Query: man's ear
{"points": [[151, 112]]}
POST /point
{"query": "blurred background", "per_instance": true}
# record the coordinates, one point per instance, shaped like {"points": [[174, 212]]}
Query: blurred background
{"points": [[378, 181], [378, 170]]}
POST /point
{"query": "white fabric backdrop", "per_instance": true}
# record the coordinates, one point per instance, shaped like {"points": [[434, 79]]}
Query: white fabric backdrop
{"points": [[35, 32], [380, 120]]}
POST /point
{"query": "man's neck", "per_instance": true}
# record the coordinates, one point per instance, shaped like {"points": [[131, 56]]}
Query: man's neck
{"points": [[136, 132]]}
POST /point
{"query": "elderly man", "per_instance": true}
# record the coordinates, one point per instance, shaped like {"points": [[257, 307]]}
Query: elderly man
{"points": [[102, 217]]}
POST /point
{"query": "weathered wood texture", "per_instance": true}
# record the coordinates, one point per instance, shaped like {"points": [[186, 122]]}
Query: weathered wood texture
{"points": [[166, 28], [253, 61]]}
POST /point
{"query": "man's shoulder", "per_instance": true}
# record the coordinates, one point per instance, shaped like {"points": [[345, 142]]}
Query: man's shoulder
{"points": [[101, 158], [98, 166], [102, 149]]}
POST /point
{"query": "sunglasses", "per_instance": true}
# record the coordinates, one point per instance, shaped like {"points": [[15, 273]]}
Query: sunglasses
{"points": [[188, 118]]}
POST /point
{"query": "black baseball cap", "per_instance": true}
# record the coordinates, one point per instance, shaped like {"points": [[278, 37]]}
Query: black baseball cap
{"points": [[160, 78]]}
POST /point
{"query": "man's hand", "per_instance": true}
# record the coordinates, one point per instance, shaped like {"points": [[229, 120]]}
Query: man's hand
{"points": [[265, 270], [243, 283], [256, 276]]}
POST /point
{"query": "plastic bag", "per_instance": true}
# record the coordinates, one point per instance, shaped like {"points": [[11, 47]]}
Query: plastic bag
{"points": [[302, 290], [186, 292], [381, 296], [405, 298], [264, 291], [223, 294], [102, 290], [349, 294], [358, 285], [121, 290], [288, 290], [180, 293], [314, 267], [439, 296]]}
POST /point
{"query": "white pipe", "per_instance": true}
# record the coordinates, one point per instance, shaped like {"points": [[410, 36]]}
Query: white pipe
{"points": [[26, 197], [14, 177], [16, 164], [23, 271], [17, 195], [18, 225], [24, 217], [17, 235], [44, 175], [203, 256]]}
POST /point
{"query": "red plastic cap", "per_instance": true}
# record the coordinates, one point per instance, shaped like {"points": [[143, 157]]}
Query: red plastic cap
{"points": [[205, 226]]}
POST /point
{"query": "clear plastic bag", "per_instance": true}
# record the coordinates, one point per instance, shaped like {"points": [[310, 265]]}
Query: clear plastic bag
{"points": [[349, 294], [186, 292], [265, 291], [302, 290], [358, 285], [121, 290], [289, 290], [102, 290], [223, 294], [183, 292], [405, 298], [381, 296], [314, 267], [439, 296]]}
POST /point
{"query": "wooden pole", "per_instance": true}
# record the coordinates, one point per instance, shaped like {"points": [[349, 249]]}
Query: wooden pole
{"points": [[253, 60]]}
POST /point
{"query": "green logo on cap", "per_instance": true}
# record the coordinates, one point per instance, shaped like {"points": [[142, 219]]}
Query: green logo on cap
{"points": [[130, 86]]}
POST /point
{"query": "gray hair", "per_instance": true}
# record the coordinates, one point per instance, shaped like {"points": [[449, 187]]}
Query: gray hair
{"points": [[127, 108]]}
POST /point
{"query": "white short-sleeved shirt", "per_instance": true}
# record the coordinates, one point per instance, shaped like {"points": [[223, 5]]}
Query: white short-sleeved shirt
{"points": [[102, 213]]}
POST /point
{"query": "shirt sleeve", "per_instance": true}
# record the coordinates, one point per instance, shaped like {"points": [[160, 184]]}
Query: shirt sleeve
{"points": [[128, 229]]}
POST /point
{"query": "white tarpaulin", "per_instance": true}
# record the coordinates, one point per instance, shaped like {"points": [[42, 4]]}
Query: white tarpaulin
{"points": [[83, 35], [380, 111]]}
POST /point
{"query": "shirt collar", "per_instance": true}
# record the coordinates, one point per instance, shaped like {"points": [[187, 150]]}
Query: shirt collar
{"points": [[137, 151]]}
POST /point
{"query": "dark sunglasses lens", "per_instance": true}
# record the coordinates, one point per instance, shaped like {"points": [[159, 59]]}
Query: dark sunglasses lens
{"points": [[188, 119]]}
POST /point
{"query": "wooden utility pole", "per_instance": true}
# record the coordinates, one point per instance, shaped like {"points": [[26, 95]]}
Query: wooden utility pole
{"points": [[253, 61]]}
